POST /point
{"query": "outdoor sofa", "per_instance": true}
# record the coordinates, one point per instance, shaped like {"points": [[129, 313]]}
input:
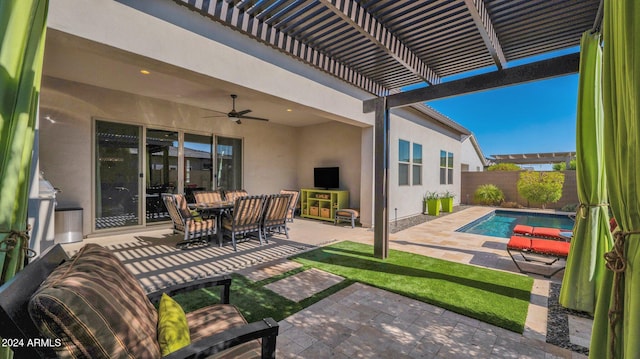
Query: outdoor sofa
{"points": [[91, 306]]}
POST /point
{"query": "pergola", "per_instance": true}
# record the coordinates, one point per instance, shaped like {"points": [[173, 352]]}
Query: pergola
{"points": [[534, 158], [382, 46]]}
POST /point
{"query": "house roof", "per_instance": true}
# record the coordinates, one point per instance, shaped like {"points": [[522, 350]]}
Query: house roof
{"points": [[382, 45]]}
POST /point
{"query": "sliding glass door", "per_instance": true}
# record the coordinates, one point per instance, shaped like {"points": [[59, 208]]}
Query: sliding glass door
{"points": [[229, 163], [117, 175], [129, 186], [197, 168], [161, 172]]}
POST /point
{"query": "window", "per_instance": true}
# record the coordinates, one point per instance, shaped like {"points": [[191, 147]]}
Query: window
{"points": [[450, 168], [417, 164], [404, 161], [446, 167], [410, 163]]}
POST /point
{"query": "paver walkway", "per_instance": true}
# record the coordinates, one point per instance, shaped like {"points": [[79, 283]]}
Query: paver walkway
{"points": [[365, 322], [305, 284]]}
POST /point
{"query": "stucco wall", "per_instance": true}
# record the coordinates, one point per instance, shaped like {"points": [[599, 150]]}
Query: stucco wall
{"points": [[407, 199], [470, 157], [270, 155], [331, 144]]}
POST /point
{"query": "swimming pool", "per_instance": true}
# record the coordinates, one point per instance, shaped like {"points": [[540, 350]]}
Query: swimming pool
{"points": [[500, 223]]}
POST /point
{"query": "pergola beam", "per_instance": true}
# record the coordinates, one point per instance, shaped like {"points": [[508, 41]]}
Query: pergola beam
{"points": [[545, 69], [485, 28], [358, 18]]}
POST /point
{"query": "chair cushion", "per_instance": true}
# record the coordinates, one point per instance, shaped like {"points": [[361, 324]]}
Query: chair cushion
{"points": [[218, 318], [347, 212], [97, 309], [522, 229], [548, 246], [519, 243], [202, 225], [547, 232], [173, 330]]}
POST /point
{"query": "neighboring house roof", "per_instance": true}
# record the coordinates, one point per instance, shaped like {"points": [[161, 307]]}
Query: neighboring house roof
{"points": [[476, 146]]}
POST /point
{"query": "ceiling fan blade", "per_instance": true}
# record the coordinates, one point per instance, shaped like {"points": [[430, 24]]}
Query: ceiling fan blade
{"points": [[244, 112], [214, 116], [254, 118], [206, 109]]}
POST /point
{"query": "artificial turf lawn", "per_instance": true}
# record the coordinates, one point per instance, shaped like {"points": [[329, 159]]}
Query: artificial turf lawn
{"points": [[498, 298], [254, 301], [491, 296]]}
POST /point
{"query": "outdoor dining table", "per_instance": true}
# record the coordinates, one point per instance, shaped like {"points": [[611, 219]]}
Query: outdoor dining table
{"points": [[217, 210]]}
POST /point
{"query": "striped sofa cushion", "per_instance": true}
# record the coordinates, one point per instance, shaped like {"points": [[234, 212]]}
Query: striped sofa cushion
{"points": [[97, 308]]}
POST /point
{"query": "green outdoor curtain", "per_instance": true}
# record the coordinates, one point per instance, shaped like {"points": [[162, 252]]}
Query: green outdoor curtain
{"points": [[591, 235], [22, 33], [617, 314]]}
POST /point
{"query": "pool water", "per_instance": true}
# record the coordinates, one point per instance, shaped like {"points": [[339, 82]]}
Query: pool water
{"points": [[501, 223]]}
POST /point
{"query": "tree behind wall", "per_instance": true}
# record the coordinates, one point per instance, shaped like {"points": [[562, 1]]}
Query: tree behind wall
{"points": [[541, 187], [504, 167], [562, 166]]}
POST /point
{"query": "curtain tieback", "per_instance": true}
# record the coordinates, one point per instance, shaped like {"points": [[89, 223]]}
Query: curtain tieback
{"points": [[11, 241], [617, 263], [585, 206]]}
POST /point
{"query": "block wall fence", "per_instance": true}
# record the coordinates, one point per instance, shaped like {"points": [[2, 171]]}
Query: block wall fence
{"points": [[507, 182]]}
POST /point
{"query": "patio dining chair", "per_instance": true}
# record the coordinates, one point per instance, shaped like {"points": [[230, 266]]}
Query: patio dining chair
{"points": [[235, 194], [195, 229], [207, 197], [294, 202], [246, 218], [275, 214]]}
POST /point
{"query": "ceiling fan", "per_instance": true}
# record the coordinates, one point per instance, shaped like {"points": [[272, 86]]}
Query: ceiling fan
{"points": [[236, 116]]}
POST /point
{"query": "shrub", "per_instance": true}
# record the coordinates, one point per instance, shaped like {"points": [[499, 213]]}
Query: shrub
{"points": [[488, 194], [569, 207], [562, 166], [541, 187], [431, 195], [510, 205], [504, 167]]}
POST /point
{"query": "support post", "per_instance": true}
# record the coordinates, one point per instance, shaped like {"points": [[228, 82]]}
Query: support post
{"points": [[381, 179]]}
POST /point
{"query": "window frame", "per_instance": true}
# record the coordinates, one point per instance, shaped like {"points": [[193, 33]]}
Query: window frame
{"points": [[416, 164], [446, 167], [404, 166]]}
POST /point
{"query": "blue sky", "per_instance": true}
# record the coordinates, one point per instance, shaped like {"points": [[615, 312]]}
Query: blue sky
{"points": [[529, 118]]}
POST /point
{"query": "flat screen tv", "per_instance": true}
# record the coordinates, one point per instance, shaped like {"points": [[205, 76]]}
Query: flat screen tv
{"points": [[326, 177]]}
